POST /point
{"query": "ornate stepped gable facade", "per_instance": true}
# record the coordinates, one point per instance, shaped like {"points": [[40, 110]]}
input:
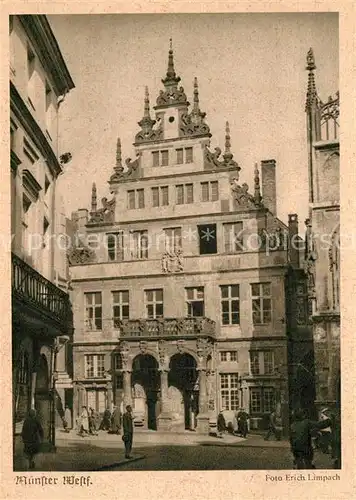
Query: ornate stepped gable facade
{"points": [[182, 312], [323, 225]]}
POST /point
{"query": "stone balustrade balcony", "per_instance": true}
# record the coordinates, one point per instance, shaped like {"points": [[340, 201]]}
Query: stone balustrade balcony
{"points": [[165, 328]]}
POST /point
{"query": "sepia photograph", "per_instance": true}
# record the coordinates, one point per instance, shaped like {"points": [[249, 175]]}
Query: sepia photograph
{"points": [[175, 242]]}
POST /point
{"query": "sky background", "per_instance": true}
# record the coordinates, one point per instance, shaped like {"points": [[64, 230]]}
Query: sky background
{"points": [[251, 72]]}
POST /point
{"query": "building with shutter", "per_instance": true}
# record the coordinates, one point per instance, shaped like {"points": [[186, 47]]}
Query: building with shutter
{"points": [[179, 283]]}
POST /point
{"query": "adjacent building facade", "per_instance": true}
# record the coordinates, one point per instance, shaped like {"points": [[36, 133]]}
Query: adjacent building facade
{"points": [[323, 238], [41, 311], [179, 280]]}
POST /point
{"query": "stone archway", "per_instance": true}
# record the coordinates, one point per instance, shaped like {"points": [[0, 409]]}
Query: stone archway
{"points": [[183, 390], [145, 384], [43, 396]]}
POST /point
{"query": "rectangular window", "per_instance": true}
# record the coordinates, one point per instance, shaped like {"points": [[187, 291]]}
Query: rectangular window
{"points": [[229, 389], [155, 197], [262, 400], [115, 246], [233, 237], [228, 356], [155, 158], [188, 155], [180, 194], [209, 191], [95, 366], [31, 62], [230, 304], [136, 199], [49, 110], [189, 198], [261, 303], [195, 301], [164, 158], [139, 244], [262, 362], [154, 303], [179, 156], [160, 196], [93, 310], [207, 239], [173, 239], [118, 361], [121, 307]]}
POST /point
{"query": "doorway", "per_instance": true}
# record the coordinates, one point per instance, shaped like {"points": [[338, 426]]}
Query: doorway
{"points": [[182, 382], [146, 386]]}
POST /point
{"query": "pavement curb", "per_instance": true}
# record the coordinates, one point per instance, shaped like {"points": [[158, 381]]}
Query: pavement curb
{"points": [[117, 464]]}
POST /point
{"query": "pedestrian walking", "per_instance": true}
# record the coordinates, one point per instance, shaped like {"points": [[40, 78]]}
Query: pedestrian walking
{"points": [[32, 436], [127, 425], [242, 422], [324, 436], [221, 425], [92, 422], [301, 432], [274, 426], [84, 422], [116, 421], [105, 423]]}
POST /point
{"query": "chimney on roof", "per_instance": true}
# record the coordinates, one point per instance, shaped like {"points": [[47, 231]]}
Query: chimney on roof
{"points": [[269, 193]]}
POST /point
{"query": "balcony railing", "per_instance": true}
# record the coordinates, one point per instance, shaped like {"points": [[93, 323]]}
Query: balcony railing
{"points": [[35, 290], [166, 327]]}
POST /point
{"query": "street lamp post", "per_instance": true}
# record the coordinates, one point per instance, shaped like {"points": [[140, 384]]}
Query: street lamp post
{"points": [[59, 343]]}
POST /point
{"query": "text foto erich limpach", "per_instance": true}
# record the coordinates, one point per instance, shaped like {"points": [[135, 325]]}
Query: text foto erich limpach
{"points": [[311, 476], [47, 480]]}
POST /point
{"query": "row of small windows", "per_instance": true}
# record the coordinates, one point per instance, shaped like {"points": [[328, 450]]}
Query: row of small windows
{"points": [[181, 155], [206, 235], [194, 301], [183, 195]]}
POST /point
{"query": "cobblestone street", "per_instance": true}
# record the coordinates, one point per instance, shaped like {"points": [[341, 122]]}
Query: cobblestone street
{"points": [[158, 451]]}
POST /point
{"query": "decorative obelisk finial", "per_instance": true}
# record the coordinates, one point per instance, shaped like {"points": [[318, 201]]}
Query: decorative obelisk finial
{"points": [[146, 113], [118, 167], [227, 155], [257, 194], [94, 205], [171, 79], [196, 95], [311, 91]]}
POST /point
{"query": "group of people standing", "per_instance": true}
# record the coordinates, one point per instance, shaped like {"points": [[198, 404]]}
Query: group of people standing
{"points": [[241, 424]]}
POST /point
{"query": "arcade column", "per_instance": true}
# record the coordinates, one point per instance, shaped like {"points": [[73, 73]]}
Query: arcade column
{"points": [[203, 416], [164, 420], [127, 388]]}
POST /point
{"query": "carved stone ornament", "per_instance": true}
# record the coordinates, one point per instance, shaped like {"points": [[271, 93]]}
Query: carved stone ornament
{"points": [[212, 161], [149, 134], [104, 214], [80, 255], [131, 172], [204, 348], [124, 349], [189, 126], [172, 262], [242, 197], [181, 346], [162, 353], [143, 346], [171, 96]]}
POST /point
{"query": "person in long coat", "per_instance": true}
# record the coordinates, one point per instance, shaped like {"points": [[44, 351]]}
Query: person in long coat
{"points": [[301, 432], [221, 425], [127, 426], [32, 435], [105, 423], [84, 421], [116, 421], [242, 418]]}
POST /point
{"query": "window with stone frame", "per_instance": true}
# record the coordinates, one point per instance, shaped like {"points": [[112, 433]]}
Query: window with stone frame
{"points": [[164, 158], [121, 306], [31, 76], [155, 158], [115, 246], [230, 304], [118, 361], [188, 155], [139, 244], [160, 196], [154, 303], [135, 199], [233, 237], [173, 239], [195, 301], [94, 365], [228, 356], [22, 394], [184, 194], [262, 400], [262, 362], [261, 303], [209, 191], [93, 311], [229, 391], [179, 156]]}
